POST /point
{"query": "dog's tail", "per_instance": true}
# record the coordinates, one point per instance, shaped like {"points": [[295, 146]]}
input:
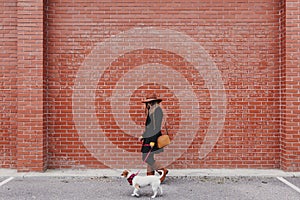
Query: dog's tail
{"points": [[162, 173]]}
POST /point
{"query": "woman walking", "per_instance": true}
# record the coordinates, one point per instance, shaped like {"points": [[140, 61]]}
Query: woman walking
{"points": [[150, 135]]}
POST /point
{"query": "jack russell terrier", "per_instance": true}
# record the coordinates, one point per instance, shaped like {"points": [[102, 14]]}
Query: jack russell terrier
{"points": [[141, 181]]}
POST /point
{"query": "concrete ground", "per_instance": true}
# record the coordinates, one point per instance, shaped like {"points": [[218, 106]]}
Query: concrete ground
{"points": [[180, 184]]}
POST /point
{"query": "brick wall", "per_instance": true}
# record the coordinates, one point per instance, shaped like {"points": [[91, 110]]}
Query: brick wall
{"points": [[8, 84], [30, 133], [227, 72], [242, 40], [290, 158]]}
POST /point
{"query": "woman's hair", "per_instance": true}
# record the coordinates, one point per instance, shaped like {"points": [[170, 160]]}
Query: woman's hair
{"points": [[147, 107]]}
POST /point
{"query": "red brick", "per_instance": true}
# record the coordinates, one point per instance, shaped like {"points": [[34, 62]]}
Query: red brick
{"points": [[253, 44]]}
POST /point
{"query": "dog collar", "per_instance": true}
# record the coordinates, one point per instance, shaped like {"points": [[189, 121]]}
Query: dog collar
{"points": [[131, 178]]}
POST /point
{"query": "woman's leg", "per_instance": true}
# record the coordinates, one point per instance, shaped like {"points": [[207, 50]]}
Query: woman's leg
{"points": [[155, 165], [150, 161], [150, 171], [159, 168]]}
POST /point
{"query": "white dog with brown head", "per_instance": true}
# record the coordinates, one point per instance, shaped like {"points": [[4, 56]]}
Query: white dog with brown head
{"points": [[141, 181]]}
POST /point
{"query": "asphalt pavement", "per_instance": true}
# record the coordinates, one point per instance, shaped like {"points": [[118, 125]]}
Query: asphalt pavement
{"points": [[191, 185]]}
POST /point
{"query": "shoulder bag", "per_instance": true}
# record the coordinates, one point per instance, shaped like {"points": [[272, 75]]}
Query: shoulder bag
{"points": [[163, 140]]}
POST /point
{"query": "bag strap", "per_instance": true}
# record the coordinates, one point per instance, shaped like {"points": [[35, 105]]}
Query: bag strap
{"points": [[166, 128]]}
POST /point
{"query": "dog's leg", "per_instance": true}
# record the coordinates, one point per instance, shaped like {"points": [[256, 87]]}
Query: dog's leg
{"points": [[135, 192], [154, 191], [161, 191]]}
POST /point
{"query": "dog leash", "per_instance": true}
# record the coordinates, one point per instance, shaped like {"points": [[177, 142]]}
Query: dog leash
{"points": [[144, 161], [147, 145]]}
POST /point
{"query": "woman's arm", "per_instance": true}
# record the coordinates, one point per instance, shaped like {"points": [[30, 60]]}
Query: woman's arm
{"points": [[158, 117]]}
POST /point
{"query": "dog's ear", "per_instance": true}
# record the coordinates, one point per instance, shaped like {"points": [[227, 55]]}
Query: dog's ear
{"points": [[125, 173]]}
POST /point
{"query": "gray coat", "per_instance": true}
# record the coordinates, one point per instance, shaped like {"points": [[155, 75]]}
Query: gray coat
{"points": [[152, 130]]}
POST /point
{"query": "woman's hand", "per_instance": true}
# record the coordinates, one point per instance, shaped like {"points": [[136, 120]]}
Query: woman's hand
{"points": [[152, 144], [141, 138]]}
